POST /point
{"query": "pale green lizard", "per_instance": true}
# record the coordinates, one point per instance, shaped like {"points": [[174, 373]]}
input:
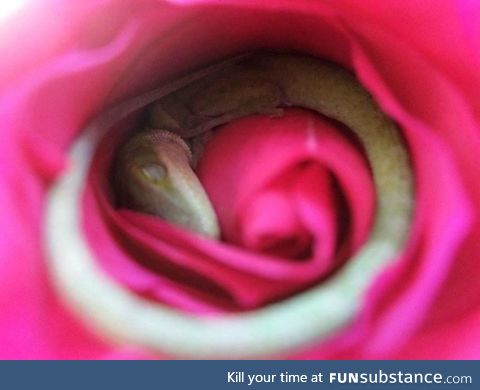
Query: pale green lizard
{"points": [[262, 84]]}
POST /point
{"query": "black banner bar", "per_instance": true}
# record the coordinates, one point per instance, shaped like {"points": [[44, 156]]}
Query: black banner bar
{"points": [[238, 375]]}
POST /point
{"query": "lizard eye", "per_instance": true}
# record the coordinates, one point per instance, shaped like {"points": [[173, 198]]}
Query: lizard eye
{"points": [[154, 172]]}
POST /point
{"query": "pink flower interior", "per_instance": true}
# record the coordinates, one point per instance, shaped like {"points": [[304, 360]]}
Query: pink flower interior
{"points": [[284, 226]]}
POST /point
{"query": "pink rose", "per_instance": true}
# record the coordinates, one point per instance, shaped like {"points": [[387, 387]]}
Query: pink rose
{"points": [[286, 229]]}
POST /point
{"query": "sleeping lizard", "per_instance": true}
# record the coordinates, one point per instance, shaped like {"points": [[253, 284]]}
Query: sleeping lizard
{"points": [[263, 84]]}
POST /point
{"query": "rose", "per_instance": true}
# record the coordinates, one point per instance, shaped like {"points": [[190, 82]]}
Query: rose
{"points": [[421, 73]]}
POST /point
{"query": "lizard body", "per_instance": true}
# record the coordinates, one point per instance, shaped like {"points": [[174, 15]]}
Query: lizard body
{"points": [[263, 83]]}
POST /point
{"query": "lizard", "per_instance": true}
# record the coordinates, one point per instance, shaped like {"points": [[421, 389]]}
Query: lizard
{"points": [[263, 83]]}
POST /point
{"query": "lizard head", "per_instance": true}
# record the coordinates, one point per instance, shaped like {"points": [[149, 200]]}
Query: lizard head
{"points": [[154, 176]]}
